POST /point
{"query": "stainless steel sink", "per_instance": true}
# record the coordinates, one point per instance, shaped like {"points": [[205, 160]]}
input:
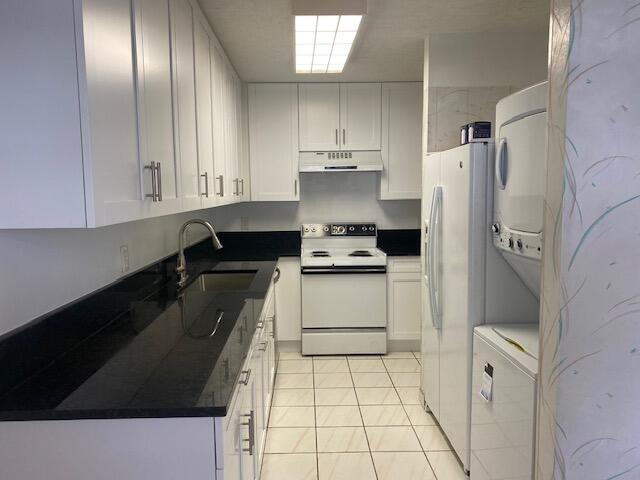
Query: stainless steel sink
{"points": [[222, 281]]}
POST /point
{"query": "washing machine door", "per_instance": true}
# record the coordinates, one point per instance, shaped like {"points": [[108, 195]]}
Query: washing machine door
{"points": [[521, 153]]}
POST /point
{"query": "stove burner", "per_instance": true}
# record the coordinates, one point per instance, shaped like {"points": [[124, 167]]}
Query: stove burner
{"points": [[320, 253], [360, 253]]}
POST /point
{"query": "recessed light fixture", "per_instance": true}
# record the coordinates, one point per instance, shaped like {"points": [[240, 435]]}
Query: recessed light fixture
{"points": [[323, 42]]}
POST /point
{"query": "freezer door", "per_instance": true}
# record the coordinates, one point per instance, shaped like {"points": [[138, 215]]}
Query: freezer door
{"points": [[462, 285], [430, 342]]}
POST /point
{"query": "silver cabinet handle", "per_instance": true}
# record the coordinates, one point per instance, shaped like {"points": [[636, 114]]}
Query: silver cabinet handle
{"points": [[276, 275], [263, 345], [242, 185], [251, 425], [260, 325], [246, 378], [159, 181], [236, 182], [337, 137], [344, 137], [206, 184], [220, 179], [295, 187], [154, 183]]}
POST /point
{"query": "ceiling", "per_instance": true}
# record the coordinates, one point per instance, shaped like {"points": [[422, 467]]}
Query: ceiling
{"points": [[258, 34]]}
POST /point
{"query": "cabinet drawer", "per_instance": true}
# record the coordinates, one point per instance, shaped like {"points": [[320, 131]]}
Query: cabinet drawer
{"points": [[404, 264]]}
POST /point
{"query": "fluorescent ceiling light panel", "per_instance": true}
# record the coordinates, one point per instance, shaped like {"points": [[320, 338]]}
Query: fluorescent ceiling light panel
{"points": [[323, 42]]}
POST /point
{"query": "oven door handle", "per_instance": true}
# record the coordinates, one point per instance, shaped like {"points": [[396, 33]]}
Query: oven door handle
{"points": [[351, 271]]}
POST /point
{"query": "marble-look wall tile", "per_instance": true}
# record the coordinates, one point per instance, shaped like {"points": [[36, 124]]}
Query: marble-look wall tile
{"points": [[589, 388], [452, 107]]}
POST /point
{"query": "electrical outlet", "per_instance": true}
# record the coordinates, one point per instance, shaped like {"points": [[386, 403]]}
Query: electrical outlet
{"points": [[124, 258], [244, 223]]}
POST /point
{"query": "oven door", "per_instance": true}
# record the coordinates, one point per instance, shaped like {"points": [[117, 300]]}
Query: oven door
{"points": [[344, 297]]}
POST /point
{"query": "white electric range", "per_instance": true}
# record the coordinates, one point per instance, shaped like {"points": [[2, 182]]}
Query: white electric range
{"points": [[344, 290]]}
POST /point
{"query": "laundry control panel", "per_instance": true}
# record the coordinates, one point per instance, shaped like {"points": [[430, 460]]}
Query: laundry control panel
{"points": [[339, 230], [521, 243]]}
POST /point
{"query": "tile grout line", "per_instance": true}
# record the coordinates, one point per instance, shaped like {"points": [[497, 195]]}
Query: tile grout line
{"points": [[366, 435], [315, 416], [409, 418]]}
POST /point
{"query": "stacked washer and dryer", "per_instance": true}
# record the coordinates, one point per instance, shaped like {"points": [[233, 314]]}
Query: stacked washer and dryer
{"points": [[505, 356]]}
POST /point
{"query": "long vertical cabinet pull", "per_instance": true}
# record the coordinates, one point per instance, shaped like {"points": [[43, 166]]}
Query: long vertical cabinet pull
{"points": [[159, 181], [295, 187], [434, 227], [344, 136], [220, 179], [236, 182], [337, 137], [242, 187], [206, 184], [250, 424], [156, 182]]}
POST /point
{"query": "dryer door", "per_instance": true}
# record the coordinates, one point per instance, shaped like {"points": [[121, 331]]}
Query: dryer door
{"points": [[521, 153]]}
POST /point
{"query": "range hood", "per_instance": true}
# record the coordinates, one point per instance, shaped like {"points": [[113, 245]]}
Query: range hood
{"points": [[366, 161]]}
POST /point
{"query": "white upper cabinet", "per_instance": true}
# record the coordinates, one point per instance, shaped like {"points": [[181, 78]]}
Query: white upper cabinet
{"points": [[203, 85], [319, 107], [339, 116], [184, 101], [360, 116], [155, 109], [219, 131], [273, 141], [401, 141]]}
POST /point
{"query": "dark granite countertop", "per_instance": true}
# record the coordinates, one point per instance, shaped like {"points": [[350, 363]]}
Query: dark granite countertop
{"points": [[137, 348]]}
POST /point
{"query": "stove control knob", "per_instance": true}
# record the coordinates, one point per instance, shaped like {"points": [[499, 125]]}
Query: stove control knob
{"points": [[364, 227], [511, 243], [519, 244], [313, 229], [495, 228], [371, 228], [306, 229], [326, 229], [351, 229]]}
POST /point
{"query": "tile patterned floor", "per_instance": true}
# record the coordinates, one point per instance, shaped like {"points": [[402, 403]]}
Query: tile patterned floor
{"points": [[353, 418]]}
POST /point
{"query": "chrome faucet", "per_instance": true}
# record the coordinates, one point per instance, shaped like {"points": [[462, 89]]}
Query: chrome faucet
{"points": [[181, 268]]}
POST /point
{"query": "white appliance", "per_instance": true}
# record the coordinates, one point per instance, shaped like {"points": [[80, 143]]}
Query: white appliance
{"points": [[360, 161], [505, 369], [466, 283], [521, 152], [344, 290]]}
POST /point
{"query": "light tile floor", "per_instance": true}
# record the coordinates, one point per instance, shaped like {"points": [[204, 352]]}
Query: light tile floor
{"points": [[353, 418]]}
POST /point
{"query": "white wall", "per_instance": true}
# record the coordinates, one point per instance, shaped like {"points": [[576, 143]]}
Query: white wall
{"points": [[468, 73], [487, 59], [325, 197], [45, 269]]}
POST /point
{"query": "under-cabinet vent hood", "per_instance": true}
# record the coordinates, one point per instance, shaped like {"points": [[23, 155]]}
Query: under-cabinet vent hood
{"points": [[369, 161]]}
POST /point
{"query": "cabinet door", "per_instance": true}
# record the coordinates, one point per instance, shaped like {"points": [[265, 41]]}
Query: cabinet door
{"points": [[204, 113], [319, 111], [248, 425], [231, 449], [401, 141], [115, 180], [360, 116], [231, 135], [288, 301], [184, 103], [155, 109], [404, 306], [273, 137], [219, 138]]}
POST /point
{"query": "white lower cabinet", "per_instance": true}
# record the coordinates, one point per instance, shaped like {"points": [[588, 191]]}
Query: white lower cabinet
{"points": [[403, 298], [288, 300]]}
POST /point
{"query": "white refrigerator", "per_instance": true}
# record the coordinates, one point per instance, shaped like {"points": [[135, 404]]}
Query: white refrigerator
{"points": [[466, 283]]}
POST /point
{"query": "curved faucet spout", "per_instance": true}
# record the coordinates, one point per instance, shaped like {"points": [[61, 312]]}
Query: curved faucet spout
{"points": [[181, 268]]}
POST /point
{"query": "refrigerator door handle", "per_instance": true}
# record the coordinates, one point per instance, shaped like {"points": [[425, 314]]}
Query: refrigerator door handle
{"points": [[434, 224]]}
